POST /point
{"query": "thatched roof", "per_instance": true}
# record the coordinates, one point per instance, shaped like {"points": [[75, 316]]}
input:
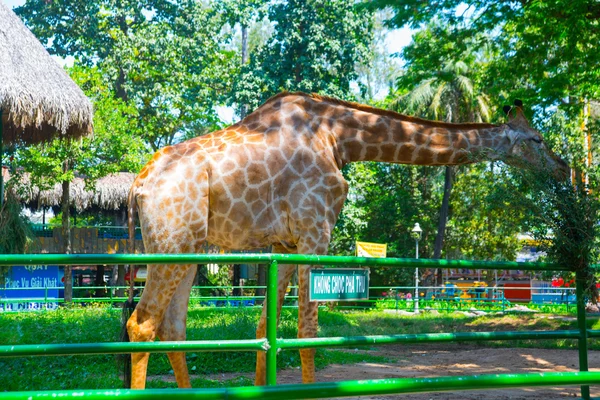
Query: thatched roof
{"points": [[109, 193], [38, 99]]}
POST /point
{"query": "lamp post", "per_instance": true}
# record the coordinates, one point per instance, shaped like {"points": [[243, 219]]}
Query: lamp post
{"points": [[416, 234]]}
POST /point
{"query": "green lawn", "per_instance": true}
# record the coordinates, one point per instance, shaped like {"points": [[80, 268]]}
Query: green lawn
{"points": [[87, 325]]}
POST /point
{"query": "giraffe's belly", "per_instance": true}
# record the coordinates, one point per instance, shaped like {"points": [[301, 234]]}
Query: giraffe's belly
{"points": [[240, 229]]}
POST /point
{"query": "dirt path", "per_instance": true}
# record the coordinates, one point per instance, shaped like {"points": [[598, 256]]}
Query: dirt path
{"points": [[455, 359]]}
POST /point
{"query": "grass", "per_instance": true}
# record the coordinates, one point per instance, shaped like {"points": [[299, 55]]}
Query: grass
{"points": [[101, 324], [466, 305]]}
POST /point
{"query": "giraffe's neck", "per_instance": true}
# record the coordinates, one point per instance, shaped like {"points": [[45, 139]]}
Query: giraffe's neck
{"points": [[389, 137]]}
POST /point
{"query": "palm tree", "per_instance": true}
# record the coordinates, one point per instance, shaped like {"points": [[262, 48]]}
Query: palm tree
{"points": [[450, 95]]}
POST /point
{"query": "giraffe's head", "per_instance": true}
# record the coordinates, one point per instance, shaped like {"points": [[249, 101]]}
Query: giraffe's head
{"points": [[526, 147]]}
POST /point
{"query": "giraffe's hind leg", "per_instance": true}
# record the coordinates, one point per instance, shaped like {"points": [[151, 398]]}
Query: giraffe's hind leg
{"points": [[161, 285], [173, 327], [308, 315]]}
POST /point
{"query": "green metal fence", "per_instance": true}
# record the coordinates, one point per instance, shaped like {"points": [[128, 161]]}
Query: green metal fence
{"points": [[493, 300], [271, 344]]}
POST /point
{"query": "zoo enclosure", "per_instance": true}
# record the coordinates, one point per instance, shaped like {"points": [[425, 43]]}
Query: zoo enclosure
{"points": [[490, 299], [271, 344]]}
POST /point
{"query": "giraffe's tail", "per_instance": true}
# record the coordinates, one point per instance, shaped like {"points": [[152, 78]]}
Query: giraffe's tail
{"points": [[129, 305], [125, 359], [131, 210]]}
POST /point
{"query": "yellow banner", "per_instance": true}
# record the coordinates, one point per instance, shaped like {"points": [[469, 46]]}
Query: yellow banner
{"points": [[375, 250]]}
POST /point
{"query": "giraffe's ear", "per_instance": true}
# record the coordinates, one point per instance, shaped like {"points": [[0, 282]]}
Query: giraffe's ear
{"points": [[506, 109], [518, 103]]}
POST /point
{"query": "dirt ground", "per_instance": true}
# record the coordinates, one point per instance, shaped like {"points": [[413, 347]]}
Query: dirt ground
{"points": [[455, 359]]}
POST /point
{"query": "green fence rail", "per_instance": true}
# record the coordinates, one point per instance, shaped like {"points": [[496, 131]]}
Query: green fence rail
{"points": [[271, 344], [493, 299]]}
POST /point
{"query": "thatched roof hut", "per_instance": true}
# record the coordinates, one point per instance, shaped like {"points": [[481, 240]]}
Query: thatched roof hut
{"points": [[39, 101], [109, 193]]}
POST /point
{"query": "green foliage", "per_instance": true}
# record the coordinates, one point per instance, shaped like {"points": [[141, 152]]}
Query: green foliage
{"points": [[315, 47], [162, 58], [543, 47], [82, 220], [564, 219], [442, 79], [377, 69], [242, 11], [484, 223], [451, 306], [156, 70], [442, 82], [16, 236], [384, 202], [115, 145]]}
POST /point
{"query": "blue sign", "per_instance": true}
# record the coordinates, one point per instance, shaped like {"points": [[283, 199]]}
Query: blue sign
{"points": [[29, 283]]}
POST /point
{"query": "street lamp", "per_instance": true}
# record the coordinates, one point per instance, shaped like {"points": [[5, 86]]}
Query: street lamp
{"points": [[416, 234]]}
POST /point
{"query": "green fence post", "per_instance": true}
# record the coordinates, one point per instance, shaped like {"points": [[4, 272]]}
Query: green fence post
{"points": [[272, 324], [581, 323]]}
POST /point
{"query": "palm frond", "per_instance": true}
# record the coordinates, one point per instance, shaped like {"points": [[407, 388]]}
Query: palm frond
{"points": [[465, 85], [420, 96], [483, 108], [435, 105]]}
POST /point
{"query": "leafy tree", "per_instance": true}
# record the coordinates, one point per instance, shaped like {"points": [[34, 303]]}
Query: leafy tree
{"points": [[155, 69], [315, 47], [542, 50], [384, 202], [243, 13], [377, 69], [485, 220], [441, 82], [113, 147], [16, 236], [164, 58]]}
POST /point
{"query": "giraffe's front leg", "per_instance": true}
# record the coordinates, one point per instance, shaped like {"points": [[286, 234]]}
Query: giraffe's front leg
{"points": [[284, 276]]}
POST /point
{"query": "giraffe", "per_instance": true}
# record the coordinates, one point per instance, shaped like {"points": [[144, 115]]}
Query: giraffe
{"points": [[275, 178]]}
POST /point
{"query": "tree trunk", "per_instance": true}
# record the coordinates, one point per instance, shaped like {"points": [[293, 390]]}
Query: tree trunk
{"points": [[66, 227], [439, 239], [244, 107], [237, 272], [121, 281], [262, 280], [202, 275], [114, 275], [99, 281]]}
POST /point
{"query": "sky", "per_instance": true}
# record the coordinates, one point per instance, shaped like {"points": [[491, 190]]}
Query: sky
{"points": [[13, 3], [395, 41]]}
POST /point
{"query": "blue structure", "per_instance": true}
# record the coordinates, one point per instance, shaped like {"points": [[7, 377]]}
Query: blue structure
{"points": [[26, 284]]}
